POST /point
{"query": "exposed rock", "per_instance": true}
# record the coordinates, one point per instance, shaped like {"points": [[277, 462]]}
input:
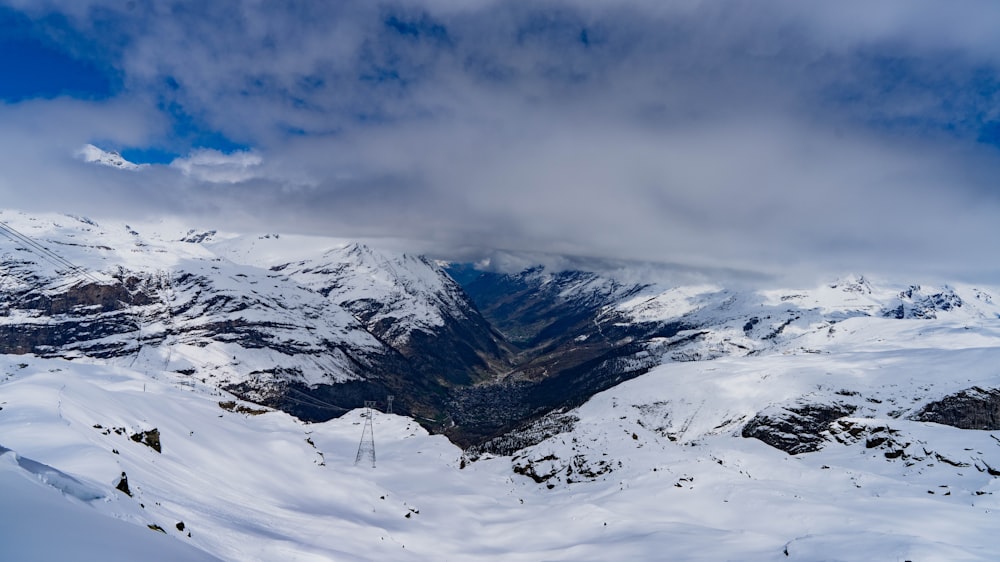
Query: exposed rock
{"points": [[521, 438], [196, 237], [150, 438], [974, 408], [913, 303], [122, 485], [550, 468], [540, 469], [889, 441], [796, 429], [78, 318], [232, 406]]}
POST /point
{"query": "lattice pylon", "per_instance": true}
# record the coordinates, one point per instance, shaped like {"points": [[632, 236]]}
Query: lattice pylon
{"points": [[366, 449]]}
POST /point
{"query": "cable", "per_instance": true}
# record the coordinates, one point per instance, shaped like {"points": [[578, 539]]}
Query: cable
{"points": [[316, 401], [304, 403], [60, 262], [44, 252], [16, 236], [53, 258]]}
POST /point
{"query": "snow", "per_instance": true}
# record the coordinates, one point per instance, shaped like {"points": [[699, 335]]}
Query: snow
{"points": [[44, 519], [94, 155], [686, 486], [667, 304], [406, 292], [192, 288], [270, 279], [654, 468]]}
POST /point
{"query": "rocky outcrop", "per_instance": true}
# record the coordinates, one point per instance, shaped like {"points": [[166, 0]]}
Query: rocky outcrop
{"points": [[796, 429], [92, 319], [877, 437], [915, 303], [974, 408]]}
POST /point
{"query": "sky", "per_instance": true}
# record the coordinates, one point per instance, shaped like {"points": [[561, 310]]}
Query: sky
{"points": [[779, 138]]}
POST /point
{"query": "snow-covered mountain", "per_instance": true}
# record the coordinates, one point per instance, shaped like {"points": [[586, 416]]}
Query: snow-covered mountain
{"points": [[169, 305], [581, 333], [655, 468], [601, 419], [315, 336], [410, 303], [94, 155]]}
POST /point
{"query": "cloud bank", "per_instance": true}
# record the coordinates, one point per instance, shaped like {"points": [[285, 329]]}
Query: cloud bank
{"points": [[779, 137], [212, 166]]}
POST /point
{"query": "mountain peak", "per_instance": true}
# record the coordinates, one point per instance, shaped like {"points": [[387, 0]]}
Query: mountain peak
{"points": [[94, 155], [853, 283]]}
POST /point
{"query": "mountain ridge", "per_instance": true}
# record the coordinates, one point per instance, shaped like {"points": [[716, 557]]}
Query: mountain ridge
{"points": [[616, 420], [343, 323]]}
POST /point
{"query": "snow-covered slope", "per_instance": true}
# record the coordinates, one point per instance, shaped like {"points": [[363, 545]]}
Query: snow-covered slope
{"points": [[311, 325], [720, 322], [46, 517], [682, 451], [410, 303], [394, 294], [403, 293], [171, 305], [854, 420], [655, 468]]}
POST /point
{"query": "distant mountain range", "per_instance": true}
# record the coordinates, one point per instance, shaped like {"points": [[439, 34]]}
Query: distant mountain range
{"points": [[594, 418], [318, 326]]}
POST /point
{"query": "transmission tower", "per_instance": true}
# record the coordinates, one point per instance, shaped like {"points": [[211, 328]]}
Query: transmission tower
{"points": [[388, 407], [366, 449]]}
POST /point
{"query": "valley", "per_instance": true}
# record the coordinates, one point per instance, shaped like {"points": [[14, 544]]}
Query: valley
{"points": [[541, 414]]}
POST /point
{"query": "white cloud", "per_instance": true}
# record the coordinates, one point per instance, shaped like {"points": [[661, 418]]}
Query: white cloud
{"points": [[213, 166]]}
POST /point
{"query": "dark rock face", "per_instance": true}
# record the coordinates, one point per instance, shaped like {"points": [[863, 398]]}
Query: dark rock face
{"points": [[80, 318], [889, 441], [149, 438], [914, 303], [796, 429], [122, 485], [974, 408]]}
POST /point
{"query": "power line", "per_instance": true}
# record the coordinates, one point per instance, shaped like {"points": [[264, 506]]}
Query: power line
{"points": [[60, 262], [366, 449], [41, 251], [165, 292], [316, 402]]}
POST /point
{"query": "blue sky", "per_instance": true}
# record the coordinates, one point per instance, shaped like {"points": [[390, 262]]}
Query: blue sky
{"points": [[33, 69], [783, 137]]}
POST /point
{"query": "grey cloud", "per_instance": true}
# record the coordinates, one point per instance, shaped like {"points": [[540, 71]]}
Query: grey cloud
{"points": [[778, 137]]}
